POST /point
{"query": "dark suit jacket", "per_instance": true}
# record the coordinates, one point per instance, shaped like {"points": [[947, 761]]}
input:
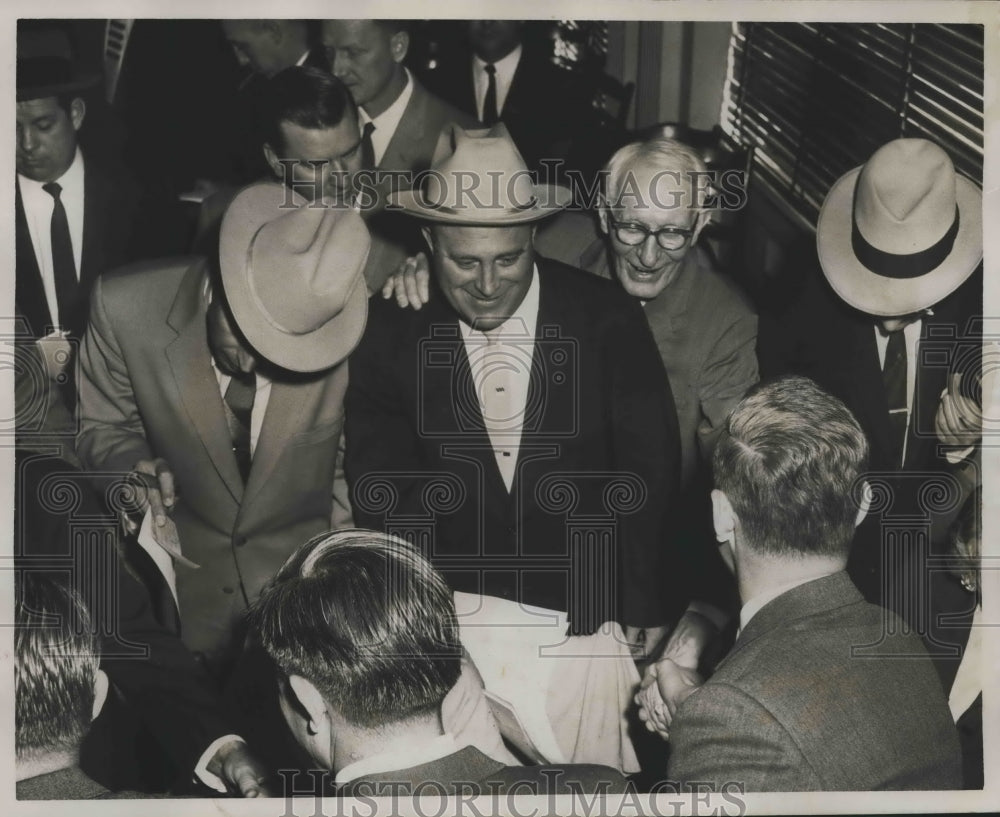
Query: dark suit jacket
{"points": [[110, 207], [821, 337], [469, 772], [145, 661], [599, 454], [820, 692], [148, 389], [69, 784], [544, 109]]}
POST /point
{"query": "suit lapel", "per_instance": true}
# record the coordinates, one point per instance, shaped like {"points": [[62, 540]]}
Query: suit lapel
{"points": [[29, 290], [398, 154], [191, 365]]}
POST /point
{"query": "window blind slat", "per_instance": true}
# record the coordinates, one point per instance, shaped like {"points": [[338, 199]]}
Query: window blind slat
{"points": [[817, 99]]}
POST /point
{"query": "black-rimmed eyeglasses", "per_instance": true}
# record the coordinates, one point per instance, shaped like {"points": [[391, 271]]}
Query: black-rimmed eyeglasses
{"points": [[669, 238]]}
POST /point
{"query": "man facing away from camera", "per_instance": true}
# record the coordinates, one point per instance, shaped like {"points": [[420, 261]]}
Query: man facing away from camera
{"points": [[822, 690], [366, 637]]}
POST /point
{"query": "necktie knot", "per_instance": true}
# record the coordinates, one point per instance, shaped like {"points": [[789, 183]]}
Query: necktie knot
{"points": [[490, 68], [54, 189]]}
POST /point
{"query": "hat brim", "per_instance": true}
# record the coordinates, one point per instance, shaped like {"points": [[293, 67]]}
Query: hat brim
{"points": [[881, 295], [82, 83], [548, 200], [322, 348]]}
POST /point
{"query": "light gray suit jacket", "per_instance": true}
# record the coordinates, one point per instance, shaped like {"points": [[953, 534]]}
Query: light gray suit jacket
{"points": [[820, 692]]}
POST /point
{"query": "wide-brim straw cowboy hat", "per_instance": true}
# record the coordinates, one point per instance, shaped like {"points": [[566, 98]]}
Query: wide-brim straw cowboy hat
{"points": [[293, 276], [902, 232], [478, 177]]}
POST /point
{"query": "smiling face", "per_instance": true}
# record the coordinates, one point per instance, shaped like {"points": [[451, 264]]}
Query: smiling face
{"points": [[46, 137], [661, 200], [484, 272]]}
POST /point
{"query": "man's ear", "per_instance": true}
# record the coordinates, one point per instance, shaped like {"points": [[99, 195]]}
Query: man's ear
{"points": [[866, 503], [101, 685], [704, 217], [309, 699], [399, 45], [77, 111], [274, 162], [602, 214], [428, 237], [724, 519]]}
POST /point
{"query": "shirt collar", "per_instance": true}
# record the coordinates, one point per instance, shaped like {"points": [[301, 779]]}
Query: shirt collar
{"points": [[521, 324], [403, 755], [505, 67], [388, 120], [302, 60], [758, 602], [71, 181]]}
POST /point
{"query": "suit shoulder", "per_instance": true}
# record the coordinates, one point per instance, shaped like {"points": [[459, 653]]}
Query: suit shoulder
{"points": [[720, 290], [150, 272], [445, 111], [583, 288]]}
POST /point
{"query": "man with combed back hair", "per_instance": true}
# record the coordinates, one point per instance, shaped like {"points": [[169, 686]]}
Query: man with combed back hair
{"points": [[822, 690], [58, 690], [366, 638]]}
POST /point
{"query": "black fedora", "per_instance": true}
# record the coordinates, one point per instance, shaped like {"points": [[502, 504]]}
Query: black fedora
{"points": [[46, 65]]}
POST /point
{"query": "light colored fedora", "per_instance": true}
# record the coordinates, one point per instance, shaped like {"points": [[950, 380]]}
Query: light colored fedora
{"points": [[478, 177], [901, 232], [293, 276]]}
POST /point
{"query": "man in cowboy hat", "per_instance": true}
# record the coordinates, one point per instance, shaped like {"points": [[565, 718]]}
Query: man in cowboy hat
{"points": [[522, 406], [73, 219], [223, 390], [900, 246]]}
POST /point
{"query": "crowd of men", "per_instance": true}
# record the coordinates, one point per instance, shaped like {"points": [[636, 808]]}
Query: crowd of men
{"points": [[398, 369]]}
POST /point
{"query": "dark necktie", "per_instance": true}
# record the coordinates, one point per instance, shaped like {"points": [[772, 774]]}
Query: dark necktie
{"points": [[239, 399], [63, 265], [490, 115], [367, 147], [894, 379]]}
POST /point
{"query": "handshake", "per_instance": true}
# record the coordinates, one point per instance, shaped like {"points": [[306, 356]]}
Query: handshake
{"points": [[664, 688]]}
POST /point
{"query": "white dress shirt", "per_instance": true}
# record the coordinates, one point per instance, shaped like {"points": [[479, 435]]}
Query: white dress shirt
{"points": [[387, 121], [500, 361], [403, 755], [505, 69], [911, 335], [38, 207]]}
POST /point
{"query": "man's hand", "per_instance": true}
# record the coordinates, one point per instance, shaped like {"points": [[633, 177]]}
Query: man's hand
{"points": [[664, 688], [643, 641], [959, 420], [235, 765], [154, 488], [410, 283]]}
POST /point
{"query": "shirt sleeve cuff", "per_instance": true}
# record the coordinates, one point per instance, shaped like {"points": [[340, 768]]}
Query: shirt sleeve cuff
{"points": [[201, 771], [956, 455], [709, 611]]}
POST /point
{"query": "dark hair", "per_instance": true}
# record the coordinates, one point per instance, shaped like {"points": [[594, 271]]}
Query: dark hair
{"points": [[307, 97], [393, 26], [368, 621], [790, 462], [55, 666]]}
